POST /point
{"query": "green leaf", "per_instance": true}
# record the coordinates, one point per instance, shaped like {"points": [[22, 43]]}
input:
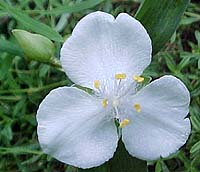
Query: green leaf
{"points": [[197, 36], [195, 165], [71, 169], [161, 19], [195, 119], [184, 62], [3, 13], [7, 132], [44, 69], [189, 20], [164, 167], [199, 63], [171, 64], [73, 8], [158, 167], [21, 150], [184, 159], [32, 24], [195, 147], [39, 3], [123, 162], [9, 47]]}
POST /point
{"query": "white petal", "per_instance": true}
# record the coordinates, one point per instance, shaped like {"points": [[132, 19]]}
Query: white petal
{"points": [[73, 128], [161, 128], [101, 46]]}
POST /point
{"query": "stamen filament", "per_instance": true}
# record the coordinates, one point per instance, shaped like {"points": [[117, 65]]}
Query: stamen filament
{"points": [[137, 107], [116, 112], [124, 123], [138, 78]]}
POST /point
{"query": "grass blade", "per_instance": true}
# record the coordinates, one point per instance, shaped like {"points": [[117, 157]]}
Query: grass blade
{"points": [[74, 8], [9, 47], [33, 24]]}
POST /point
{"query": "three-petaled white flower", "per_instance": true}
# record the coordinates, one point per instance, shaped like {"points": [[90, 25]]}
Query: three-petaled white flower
{"points": [[109, 55]]}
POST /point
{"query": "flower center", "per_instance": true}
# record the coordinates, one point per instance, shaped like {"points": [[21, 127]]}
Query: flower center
{"points": [[113, 91], [115, 102]]}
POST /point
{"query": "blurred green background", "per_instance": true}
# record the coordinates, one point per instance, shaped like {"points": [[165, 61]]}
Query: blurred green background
{"points": [[24, 83]]}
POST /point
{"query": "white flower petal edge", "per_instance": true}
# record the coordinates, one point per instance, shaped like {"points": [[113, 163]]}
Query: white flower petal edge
{"points": [[161, 128], [73, 128], [102, 46]]}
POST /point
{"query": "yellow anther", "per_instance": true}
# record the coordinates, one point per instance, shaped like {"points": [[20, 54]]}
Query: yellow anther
{"points": [[97, 84], [120, 76], [138, 78], [137, 107], [124, 123], [105, 103]]}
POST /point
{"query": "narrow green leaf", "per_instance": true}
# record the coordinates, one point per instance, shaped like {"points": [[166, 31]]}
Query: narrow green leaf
{"points": [[3, 13], [161, 19], [199, 63], [189, 20], [170, 62], [31, 160], [39, 3], [21, 150], [195, 120], [9, 47], [195, 165], [184, 62], [184, 159], [73, 8], [197, 36], [7, 131], [164, 167], [195, 147], [33, 25], [123, 162], [71, 169], [158, 167]]}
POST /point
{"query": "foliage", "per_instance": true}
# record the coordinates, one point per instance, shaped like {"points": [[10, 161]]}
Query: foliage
{"points": [[24, 83]]}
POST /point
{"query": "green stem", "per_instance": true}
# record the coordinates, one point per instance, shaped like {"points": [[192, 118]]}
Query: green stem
{"points": [[19, 151], [55, 63], [12, 98]]}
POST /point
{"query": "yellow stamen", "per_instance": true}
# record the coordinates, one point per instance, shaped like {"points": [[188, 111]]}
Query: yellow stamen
{"points": [[138, 78], [105, 103], [120, 76], [97, 84], [137, 107], [124, 123]]}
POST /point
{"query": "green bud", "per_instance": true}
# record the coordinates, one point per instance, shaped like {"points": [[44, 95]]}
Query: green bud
{"points": [[35, 46]]}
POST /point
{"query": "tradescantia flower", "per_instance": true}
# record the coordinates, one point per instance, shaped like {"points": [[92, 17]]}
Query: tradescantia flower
{"points": [[108, 55]]}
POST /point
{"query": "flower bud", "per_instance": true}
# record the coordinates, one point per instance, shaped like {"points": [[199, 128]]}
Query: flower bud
{"points": [[35, 46]]}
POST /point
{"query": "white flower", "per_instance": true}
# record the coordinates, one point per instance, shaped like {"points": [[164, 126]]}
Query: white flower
{"points": [[108, 55]]}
